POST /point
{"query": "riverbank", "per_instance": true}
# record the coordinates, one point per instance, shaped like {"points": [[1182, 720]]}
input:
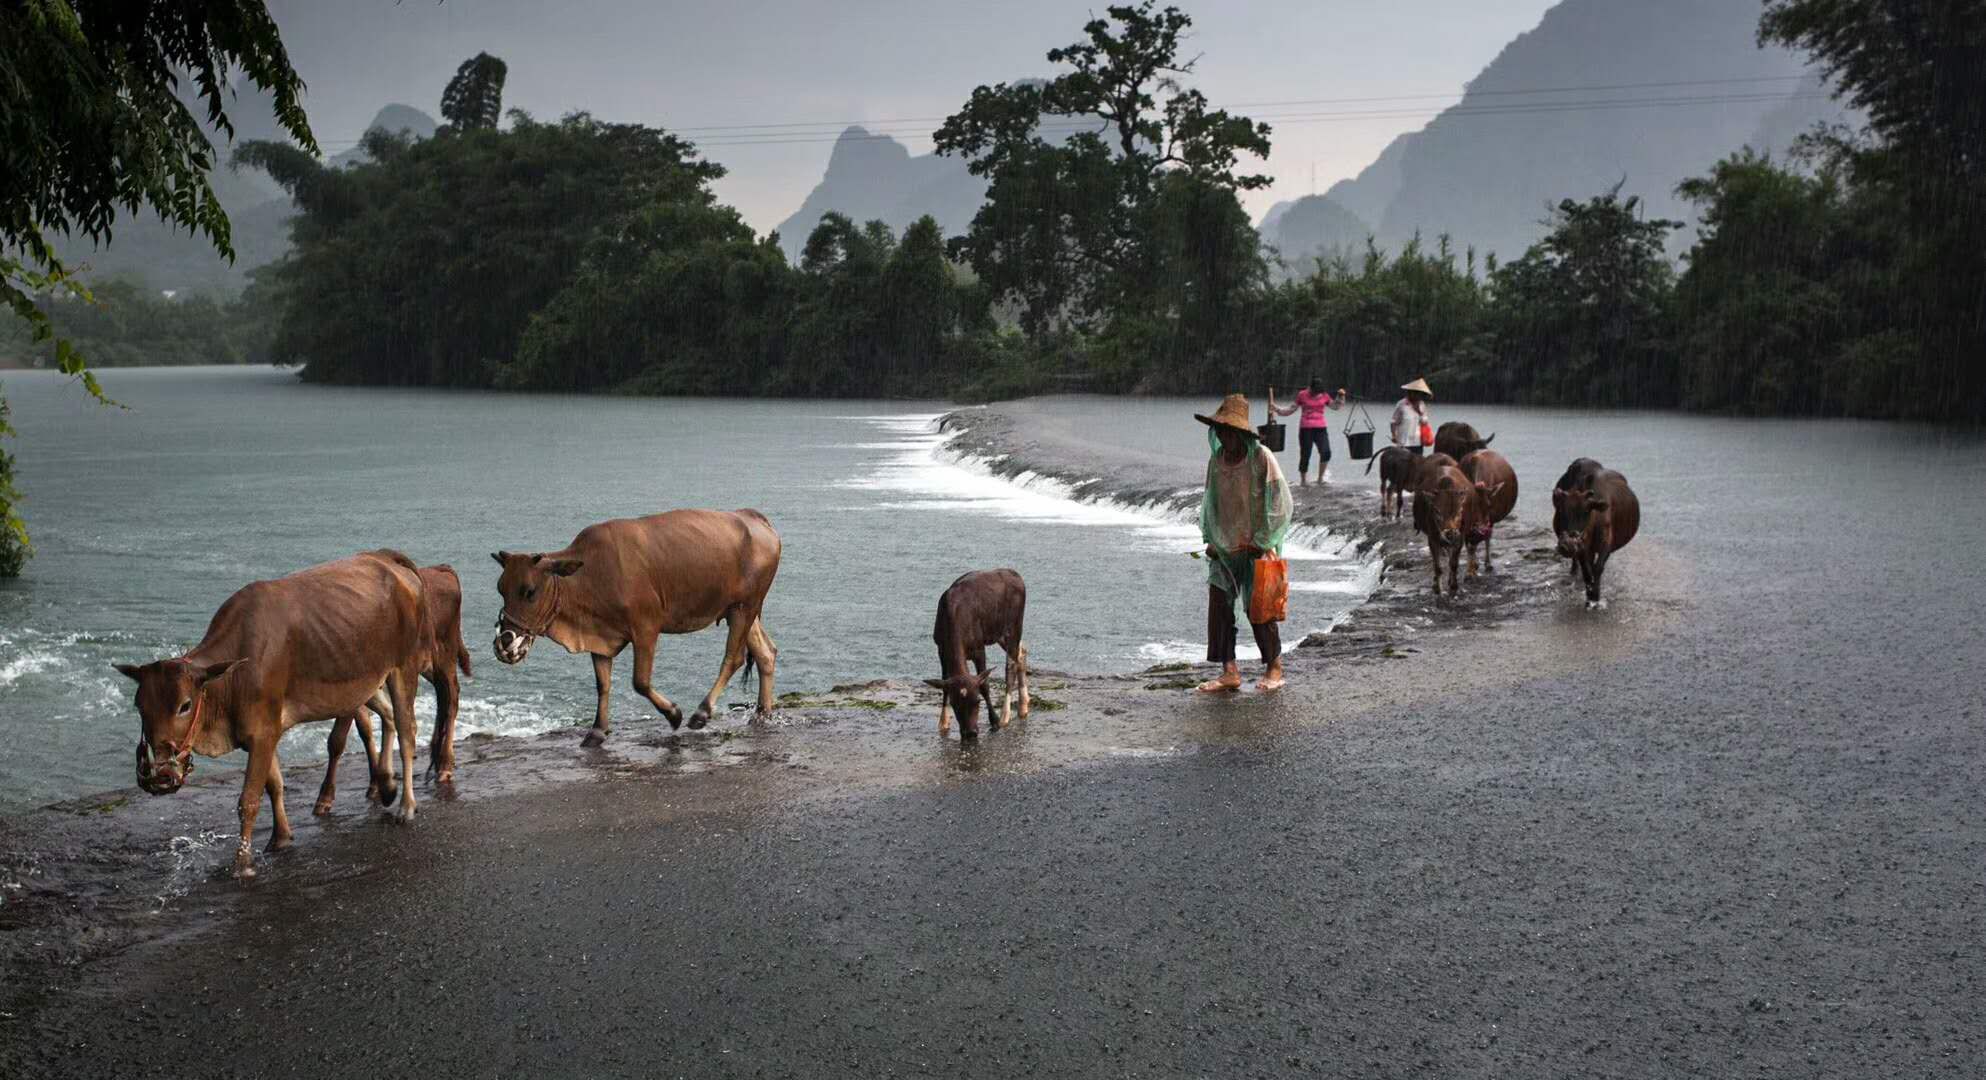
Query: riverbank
{"points": [[1727, 824]]}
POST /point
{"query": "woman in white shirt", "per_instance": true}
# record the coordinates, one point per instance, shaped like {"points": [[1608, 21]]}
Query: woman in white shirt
{"points": [[1413, 426]]}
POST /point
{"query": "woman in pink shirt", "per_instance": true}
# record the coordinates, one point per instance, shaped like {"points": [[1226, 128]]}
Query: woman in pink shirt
{"points": [[1313, 430]]}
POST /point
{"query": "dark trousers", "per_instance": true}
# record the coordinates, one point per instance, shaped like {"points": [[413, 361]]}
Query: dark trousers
{"points": [[1307, 438], [1417, 451], [1221, 630]]}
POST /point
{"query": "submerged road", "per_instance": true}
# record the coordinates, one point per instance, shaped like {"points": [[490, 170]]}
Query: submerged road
{"points": [[1731, 825]]}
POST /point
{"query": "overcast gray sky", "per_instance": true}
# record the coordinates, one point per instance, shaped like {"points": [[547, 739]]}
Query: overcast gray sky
{"points": [[721, 66]]}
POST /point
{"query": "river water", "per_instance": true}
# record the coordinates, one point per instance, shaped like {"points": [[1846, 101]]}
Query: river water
{"points": [[146, 519]]}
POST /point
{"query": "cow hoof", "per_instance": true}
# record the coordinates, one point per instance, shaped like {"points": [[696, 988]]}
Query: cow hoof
{"points": [[387, 793], [698, 719], [281, 840], [244, 865], [444, 778], [404, 815], [322, 808], [594, 737], [674, 716], [1596, 605], [762, 715], [372, 793]]}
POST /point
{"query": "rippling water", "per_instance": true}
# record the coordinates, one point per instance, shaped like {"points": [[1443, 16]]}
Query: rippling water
{"points": [[147, 519]]}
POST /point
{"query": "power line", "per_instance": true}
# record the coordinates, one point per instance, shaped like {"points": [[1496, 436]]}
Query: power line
{"points": [[716, 134]]}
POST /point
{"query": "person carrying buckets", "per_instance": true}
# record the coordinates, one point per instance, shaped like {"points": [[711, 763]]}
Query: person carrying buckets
{"points": [[1313, 431], [1413, 428], [1244, 516]]}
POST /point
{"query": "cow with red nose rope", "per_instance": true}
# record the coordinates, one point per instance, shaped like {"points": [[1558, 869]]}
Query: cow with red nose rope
{"points": [[1447, 510], [1599, 519], [1493, 477], [311, 646]]}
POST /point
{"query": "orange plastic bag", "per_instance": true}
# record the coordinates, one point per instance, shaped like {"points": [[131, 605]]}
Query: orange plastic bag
{"points": [[1269, 599], [1427, 435]]}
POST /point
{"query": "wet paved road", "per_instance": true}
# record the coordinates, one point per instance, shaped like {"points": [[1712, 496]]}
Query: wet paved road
{"points": [[1729, 826]]}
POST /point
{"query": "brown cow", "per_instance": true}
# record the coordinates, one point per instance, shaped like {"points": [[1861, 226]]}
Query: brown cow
{"points": [[1578, 477], [626, 581], [1492, 475], [307, 647], [1446, 508], [1458, 440], [1600, 520], [1396, 478], [445, 656], [984, 607]]}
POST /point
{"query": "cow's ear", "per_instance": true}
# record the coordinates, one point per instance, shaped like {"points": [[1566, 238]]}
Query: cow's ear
{"points": [[215, 671], [980, 683], [935, 684], [565, 567], [502, 557], [129, 671]]}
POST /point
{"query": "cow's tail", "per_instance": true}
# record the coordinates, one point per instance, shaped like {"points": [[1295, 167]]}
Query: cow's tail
{"points": [[1368, 464], [462, 659]]}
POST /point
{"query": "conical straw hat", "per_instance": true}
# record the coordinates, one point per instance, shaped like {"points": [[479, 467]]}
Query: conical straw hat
{"points": [[1233, 413], [1420, 385]]}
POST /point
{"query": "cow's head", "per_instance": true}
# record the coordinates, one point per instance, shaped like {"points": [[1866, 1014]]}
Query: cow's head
{"points": [[1480, 526], [529, 586], [171, 715], [1589, 523], [962, 693], [1445, 502]]}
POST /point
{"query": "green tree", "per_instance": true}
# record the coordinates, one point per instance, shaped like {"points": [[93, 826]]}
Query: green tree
{"points": [[473, 100], [1076, 165], [90, 123]]}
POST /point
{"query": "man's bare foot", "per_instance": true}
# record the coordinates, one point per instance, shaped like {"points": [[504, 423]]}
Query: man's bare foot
{"points": [[1270, 682], [1226, 684]]}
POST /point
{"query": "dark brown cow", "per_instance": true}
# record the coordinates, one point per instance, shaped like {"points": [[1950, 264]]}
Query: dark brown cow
{"points": [[625, 582], [1578, 477], [1600, 520], [981, 608], [446, 656], [1492, 475], [1458, 440], [1397, 467], [310, 646], [1446, 508]]}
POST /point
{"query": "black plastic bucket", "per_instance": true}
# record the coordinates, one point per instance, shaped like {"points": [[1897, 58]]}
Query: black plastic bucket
{"points": [[1359, 444], [1272, 435]]}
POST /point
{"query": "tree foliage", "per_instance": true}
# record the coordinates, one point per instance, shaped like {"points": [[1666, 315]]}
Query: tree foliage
{"points": [[91, 122], [473, 100]]}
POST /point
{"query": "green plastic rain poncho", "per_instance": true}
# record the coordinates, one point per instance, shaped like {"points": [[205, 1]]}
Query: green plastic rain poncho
{"points": [[1247, 506]]}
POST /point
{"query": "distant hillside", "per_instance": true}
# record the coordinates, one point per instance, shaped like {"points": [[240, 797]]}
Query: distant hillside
{"points": [[146, 250], [1311, 228], [1646, 94], [871, 177]]}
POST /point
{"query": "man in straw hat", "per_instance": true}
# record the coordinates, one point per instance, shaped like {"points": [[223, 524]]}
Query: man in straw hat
{"points": [[1413, 430], [1245, 513]]}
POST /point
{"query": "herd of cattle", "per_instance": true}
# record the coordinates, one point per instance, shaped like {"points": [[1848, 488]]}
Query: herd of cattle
{"points": [[338, 640], [1462, 489]]}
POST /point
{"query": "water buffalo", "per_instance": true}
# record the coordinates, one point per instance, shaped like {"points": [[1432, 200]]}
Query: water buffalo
{"points": [[1578, 477], [1459, 440], [1493, 477], [1396, 478], [445, 656], [311, 646], [1447, 507], [1599, 520], [626, 581], [981, 608]]}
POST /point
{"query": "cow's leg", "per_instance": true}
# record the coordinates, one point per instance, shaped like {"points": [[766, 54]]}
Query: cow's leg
{"points": [[401, 684], [334, 748], [985, 688], [644, 667], [1434, 558], [380, 708], [389, 785], [280, 835], [261, 761], [1593, 585], [1020, 662], [1454, 564], [603, 686], [441, 745], [1472, 558], [1489, 565], [1011, 679], [737, 629], [944, 712], [766, 655]]}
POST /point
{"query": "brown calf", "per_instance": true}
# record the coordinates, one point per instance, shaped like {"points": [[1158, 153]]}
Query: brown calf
{"points": [[311, 646], [1396, 478], [628, 581], [446, 656], [984, 607], [1446, 508], [1493, 477]]}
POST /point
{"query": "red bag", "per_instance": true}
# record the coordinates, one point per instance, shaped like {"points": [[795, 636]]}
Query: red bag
{"points": [[1427, 434], [1269, 597]]}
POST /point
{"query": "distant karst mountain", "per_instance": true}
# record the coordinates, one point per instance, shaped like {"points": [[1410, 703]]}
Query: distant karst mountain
{"points": [[1311, 228], [875, 177], [1636, 93]]}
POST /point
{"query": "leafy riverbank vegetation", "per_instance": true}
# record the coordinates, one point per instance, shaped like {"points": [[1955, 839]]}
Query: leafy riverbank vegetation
{"points": [[1845, 278]]}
